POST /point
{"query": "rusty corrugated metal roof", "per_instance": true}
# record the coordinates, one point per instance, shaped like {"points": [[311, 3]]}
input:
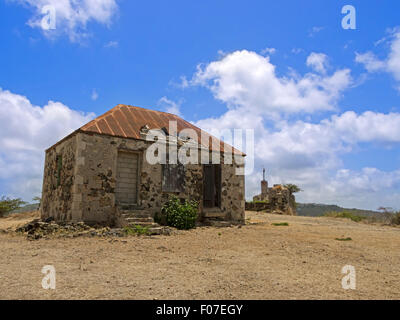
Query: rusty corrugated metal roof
{"points": [[126, 121]]}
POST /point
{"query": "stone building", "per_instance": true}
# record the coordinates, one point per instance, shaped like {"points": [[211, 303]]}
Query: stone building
{"points": [[277, 199], [101, 173]]}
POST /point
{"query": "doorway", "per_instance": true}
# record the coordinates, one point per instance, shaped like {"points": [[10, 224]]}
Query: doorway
{"points": [[127, 178], [212, 186]]}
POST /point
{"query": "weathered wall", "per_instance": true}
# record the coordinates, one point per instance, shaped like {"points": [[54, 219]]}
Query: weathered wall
{"points": [[277, 200], [233, 195], [58, 181], [95, 181], [94, 198]]}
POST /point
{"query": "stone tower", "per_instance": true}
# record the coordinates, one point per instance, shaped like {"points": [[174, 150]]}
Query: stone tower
{"points": [[264, 185]]}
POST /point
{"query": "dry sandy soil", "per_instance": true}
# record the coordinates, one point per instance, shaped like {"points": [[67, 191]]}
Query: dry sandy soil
{"points": [[257, 261]]}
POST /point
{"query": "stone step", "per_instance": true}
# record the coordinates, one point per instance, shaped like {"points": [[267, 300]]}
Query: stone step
{"points": [[135, 215], [149, 224], [217, 223], [213, 213], [132, 211], [136, 219], [156, 230]]}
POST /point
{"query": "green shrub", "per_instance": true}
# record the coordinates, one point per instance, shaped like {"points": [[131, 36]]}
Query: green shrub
{"points": [[257, 201], [280, 224], [344, 239], [396, 218], [136, 230], [344, 214], [180, 215], [292, 188], [7, 205]]}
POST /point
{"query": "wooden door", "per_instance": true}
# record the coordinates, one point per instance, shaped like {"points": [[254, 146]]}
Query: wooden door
{"points": [[211, 185], [127, 178]]}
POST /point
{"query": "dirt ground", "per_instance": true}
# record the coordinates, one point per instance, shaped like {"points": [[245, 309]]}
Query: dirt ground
{"points": [[258, 261]]}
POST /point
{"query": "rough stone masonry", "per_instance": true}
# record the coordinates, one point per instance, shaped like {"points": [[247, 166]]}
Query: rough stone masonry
{"points": [[278, 200], [81, 174]]}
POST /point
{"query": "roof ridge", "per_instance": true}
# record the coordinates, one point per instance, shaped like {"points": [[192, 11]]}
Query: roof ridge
{"points": [[126, 121], [128, 105]]}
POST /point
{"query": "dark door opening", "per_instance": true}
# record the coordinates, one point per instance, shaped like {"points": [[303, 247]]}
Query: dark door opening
{"points": [[212, 185]]}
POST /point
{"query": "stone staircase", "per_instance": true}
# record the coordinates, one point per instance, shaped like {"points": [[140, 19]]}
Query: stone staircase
{"points": [[215, 217], [133, 217]]}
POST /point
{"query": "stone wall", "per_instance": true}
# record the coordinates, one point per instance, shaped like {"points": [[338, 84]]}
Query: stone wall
{"points": [[58, 180], [232, 194], [92, 195], [277, 200]]}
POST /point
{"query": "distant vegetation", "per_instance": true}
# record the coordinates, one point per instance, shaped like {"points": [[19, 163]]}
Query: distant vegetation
{"points": [[383, 215], [292, 188], [8, 205], [27, 208], [318, 210], [391, 216], [396, 218], [345, 214]]}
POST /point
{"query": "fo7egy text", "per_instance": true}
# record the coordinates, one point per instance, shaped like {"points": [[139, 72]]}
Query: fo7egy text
{"points": [[205, 309]]}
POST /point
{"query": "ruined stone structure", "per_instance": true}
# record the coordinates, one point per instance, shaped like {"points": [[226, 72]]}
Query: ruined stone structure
{"points": [[100, 173], [277, 199]]}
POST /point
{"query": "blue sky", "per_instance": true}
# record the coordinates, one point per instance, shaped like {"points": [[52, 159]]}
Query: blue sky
{"points": [[330, 125]]}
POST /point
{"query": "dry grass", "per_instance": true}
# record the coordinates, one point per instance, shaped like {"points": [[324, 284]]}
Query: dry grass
{"points": [[15, 220], [257, 261]]}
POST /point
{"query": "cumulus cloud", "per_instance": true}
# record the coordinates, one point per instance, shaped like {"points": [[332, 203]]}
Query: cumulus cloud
{"points": [[72, 16], [170, 106], [26, 131], [309, 154], [393, 61], [247, 79], [317, 61], [370, 62], [301, 151], [390, 64]]}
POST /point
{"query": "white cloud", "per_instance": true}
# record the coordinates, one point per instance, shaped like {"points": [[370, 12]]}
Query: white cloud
{"points": [[26, 131], [94, 95], [302, 152], [297, 50], [247, 79], [111, 44], [170, 106], [268, 51], [318, 61], [370, 62], [393, 61], [72, 16], [390, 64], [309, 154], [184, 83], [314, 31]]}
